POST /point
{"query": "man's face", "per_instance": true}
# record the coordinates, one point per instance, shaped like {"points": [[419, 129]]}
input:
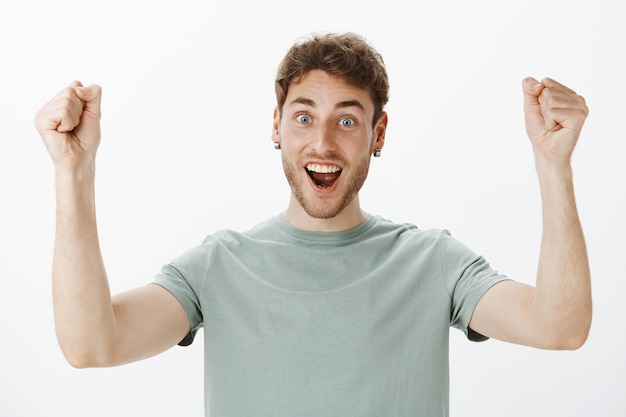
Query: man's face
{"points": [[327, 139]]}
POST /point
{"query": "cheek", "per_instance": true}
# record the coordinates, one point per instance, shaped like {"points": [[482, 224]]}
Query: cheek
{"points": [[290, 148], [363, 145], [292, 139]]}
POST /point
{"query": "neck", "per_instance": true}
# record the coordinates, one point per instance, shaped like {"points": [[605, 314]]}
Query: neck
{"points": [[349, 218]]}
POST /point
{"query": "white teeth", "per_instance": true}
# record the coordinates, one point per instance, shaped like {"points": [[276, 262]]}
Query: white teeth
{"points": [[323, 169]]}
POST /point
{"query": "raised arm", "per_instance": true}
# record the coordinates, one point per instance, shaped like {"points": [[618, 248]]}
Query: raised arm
{"points": [[92, 328], [556, 313]]}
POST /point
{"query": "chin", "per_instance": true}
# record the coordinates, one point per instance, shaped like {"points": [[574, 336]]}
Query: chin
{"points": [[321, 213], [324, 207]]}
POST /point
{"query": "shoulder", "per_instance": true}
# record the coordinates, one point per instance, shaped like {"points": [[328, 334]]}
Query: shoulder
{"points": [[408, 231]]}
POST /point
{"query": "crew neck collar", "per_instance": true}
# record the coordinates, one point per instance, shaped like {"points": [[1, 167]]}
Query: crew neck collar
{"points": [[327, 237]]}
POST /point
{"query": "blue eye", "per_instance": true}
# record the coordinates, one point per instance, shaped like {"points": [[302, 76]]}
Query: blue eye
{"points": [[303, 118], [346, 122]]}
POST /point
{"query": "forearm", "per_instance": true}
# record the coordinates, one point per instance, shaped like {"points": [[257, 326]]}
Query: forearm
{"points": [[562, 302], [83, 312]]}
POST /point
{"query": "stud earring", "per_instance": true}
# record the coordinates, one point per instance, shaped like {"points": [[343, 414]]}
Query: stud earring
{"points": [[377, 152], [277, 145]]}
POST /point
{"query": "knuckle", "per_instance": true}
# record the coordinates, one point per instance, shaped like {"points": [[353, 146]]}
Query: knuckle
{"points": [[67, 92], [38, 120], [65, 104]]}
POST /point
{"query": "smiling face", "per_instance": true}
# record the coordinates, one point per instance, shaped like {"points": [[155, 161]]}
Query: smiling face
{"points": [[327, 138]]}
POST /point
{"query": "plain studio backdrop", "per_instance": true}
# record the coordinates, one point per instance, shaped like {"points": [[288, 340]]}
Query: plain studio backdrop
{"points": [[186, 150]]}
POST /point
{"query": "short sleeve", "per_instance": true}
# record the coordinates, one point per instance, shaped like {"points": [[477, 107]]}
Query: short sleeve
{"points": [[468, 276], [184, 277]]}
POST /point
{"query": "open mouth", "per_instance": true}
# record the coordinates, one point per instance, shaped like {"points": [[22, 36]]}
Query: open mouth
{"points": [[323, 176]]}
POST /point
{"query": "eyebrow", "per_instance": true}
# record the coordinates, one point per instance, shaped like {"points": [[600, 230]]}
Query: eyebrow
{"points": [[340, 105], [303, 100]]}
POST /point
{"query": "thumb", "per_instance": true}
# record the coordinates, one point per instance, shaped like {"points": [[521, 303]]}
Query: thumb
{"points": [[532, 90], [532, 108], [91, 96]]}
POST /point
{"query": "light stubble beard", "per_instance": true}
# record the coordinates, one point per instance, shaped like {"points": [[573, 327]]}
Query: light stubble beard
{"points": [[322, 207]]}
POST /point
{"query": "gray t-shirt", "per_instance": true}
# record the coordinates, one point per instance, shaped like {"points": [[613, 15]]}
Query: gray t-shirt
{"points": [[352, 323]]}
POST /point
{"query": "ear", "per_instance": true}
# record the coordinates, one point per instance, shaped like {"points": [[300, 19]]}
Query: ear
{"points": [[379, 132], [276, 126]]}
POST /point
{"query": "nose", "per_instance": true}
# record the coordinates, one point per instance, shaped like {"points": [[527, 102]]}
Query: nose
{"points": [[324, 140]]}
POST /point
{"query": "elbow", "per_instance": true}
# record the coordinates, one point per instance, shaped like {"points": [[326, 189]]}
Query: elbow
{"points": [[78, 363], [85, 362], [573, 338], [86, 350], [560, 342], [83, 358], [77, 360], [579, 337], [573, 342]]}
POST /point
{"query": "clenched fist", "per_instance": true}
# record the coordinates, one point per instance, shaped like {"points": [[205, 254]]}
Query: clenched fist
{"points": [[69, 125], [554, 115]]}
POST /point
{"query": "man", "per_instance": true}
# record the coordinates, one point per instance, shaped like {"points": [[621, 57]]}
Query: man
{"points": [[324, 309]]}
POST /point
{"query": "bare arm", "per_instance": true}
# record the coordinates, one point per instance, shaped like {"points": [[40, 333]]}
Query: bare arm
{"points": [[556, 313], [92, 328]]}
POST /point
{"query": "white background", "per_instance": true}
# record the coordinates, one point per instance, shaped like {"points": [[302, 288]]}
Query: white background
{"points": [[186, 150]]}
